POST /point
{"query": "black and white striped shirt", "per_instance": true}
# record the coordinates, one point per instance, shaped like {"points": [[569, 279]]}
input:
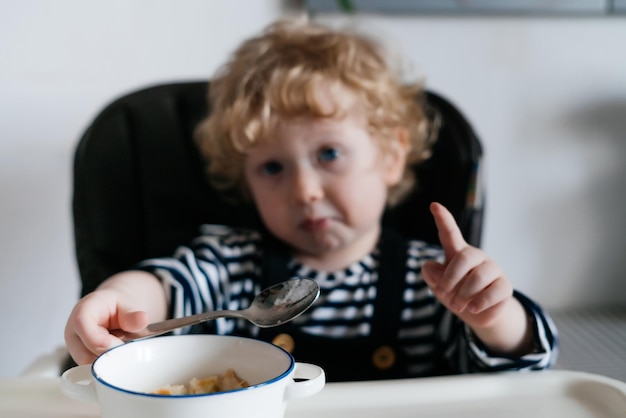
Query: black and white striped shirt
{"points": [[221, 269]]}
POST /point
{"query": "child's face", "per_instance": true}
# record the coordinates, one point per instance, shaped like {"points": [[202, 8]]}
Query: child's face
{"points": [[320, 185]]}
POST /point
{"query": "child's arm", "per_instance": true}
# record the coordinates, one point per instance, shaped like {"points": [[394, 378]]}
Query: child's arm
{"points": [[474, 288], [129, 300]]}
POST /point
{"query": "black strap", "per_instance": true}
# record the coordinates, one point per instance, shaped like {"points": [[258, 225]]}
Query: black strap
{"points": [[274, 262], [391, 277]]}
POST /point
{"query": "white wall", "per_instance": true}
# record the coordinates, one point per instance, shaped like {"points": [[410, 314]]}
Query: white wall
{"points": [[60, 62], [547, 97]]}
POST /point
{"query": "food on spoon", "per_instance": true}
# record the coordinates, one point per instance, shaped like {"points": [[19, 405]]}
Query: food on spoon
{"points": [[229, 380]]}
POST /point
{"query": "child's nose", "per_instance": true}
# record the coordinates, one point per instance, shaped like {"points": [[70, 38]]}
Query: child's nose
{"points": [[307, 186]]}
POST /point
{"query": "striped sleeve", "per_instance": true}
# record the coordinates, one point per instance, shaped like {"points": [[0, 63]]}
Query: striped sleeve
{"points": [[216, 271], [473, 356]]}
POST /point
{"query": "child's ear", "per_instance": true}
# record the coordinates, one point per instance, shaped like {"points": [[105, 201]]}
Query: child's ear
{"points": [[395, 160]]}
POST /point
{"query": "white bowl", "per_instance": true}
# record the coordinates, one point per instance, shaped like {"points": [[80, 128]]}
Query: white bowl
{"points": [[121, 380]]}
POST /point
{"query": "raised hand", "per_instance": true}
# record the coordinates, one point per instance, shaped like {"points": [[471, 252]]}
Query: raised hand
{"points": [[468, 282]]}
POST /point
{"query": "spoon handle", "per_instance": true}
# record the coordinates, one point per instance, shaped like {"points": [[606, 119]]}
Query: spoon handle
{"points": [[158, 328]]}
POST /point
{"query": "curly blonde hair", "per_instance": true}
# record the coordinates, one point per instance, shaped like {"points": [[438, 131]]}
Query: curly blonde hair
{"points": [[275, 76]]}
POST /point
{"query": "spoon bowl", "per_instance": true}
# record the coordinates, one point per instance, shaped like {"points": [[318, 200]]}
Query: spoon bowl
{"points": [[274, 306]]}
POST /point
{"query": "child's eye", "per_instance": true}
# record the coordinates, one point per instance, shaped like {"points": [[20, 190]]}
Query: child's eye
{"points": [[328, 154], [272, 168]]}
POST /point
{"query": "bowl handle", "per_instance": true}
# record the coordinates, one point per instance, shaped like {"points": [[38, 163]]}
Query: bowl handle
{"points": [[313, 381], [77, 383]]}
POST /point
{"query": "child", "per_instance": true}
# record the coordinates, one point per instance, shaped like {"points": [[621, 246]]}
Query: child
{"points": [[310, 126]]}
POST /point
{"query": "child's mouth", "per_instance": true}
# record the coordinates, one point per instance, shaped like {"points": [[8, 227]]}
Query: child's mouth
{"points": [[313, 225]]}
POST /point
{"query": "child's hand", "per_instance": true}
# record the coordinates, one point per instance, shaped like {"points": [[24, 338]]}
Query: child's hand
{"points": [[128, 301], [468, 283], [87, 333]]}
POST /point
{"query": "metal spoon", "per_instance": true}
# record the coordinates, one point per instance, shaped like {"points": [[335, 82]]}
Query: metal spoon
{"points": [[274, 306]]}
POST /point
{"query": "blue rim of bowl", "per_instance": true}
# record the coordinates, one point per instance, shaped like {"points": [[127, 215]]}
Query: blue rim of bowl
{"points": [[292, 365]]}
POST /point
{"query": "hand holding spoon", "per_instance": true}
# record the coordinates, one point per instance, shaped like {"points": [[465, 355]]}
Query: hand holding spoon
{"points": [[274, 306]]}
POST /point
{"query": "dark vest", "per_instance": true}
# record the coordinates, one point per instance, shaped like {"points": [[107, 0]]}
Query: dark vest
{"points": [[360, 358]]}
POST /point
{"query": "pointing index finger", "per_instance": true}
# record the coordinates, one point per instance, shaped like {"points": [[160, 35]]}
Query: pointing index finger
{"points": [[450, 235]]}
